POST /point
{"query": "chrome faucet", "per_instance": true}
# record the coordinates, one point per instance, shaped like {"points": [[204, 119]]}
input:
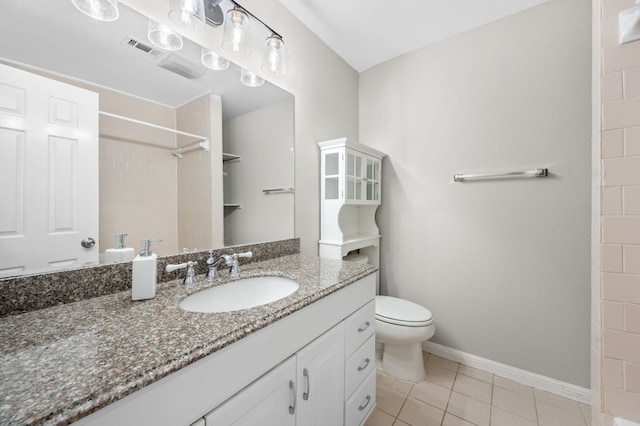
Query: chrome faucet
{"points": [[231, 261], [190, 277], [212, 264]]}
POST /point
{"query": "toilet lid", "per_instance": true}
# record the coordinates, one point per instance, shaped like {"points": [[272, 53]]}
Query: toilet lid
{"points": [[402, 312]]}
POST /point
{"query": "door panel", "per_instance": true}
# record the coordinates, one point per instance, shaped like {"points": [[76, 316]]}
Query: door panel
{"points": [[48, 173]]}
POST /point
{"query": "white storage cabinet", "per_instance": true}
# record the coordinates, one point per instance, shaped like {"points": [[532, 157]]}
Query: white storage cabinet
{"points": [[351, 180]]}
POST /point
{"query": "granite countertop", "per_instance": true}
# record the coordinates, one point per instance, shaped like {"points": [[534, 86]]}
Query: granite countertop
{"points": [[62, 363]]}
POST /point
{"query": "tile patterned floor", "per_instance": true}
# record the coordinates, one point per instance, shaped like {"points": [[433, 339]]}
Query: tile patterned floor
{"points": [[458, 395]]}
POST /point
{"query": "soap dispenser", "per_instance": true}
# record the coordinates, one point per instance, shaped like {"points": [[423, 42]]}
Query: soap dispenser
{"points": [[145, 275], [120, 252]]}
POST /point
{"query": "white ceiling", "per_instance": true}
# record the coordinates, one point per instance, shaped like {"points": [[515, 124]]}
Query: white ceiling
{"points": [[366, 33], [53, 35]]}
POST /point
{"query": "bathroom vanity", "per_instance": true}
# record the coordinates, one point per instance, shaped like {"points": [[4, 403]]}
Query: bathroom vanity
{"points": [[306, 359]]}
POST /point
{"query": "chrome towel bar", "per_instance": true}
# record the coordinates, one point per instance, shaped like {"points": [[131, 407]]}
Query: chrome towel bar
{"points": [[523, 174], [278, 191]]}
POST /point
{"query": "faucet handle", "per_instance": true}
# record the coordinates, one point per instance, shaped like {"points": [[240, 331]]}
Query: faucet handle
{"points": [[171, 268], [246, 254], [190, 277]]}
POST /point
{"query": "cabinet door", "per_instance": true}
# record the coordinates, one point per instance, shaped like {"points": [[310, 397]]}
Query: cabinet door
{"points": [[270, 401], [372, 179], [321, 380], [354, 169]]}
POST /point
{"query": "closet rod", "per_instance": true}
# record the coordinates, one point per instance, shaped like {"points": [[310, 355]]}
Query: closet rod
{"points": [[526, 173], [155, 126]]}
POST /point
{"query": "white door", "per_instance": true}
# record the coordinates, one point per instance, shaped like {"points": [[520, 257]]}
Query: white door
{"points": [[270, 401], [48, 174], [321, 380]]}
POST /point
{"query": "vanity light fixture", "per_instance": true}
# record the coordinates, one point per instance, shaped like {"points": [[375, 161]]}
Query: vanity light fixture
{"points": [[236, 32], [236, 40], [163, 37], [274, 60], [213, 61], [250, 79], [188, 14], [102, 10]]}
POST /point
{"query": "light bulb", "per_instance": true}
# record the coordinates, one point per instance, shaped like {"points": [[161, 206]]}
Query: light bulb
{"points": [[236, 32], [213, 61], [102, 10], [274, 60], [188, 14]]}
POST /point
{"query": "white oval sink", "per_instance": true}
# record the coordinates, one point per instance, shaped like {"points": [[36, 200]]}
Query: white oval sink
{"points": [[241, 294]]}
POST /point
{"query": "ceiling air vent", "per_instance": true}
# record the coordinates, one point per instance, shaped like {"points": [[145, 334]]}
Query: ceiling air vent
{"points": [[182, 66], [142, 47]]}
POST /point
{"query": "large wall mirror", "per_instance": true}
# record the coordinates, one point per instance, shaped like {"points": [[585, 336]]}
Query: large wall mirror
{"points": [[152, 182]]}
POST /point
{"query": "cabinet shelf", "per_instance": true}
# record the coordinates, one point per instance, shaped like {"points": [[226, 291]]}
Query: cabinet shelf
{"points": [[226, 157]]}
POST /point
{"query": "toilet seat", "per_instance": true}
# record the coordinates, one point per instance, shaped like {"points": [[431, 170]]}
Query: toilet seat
{"points": [[393, 310]]}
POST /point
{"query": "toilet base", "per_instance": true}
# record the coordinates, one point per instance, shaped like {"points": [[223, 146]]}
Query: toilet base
{"points": [[404, 362]]}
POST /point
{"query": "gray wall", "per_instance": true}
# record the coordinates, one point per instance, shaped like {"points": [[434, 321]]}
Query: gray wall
{"points": [[503, 265]]}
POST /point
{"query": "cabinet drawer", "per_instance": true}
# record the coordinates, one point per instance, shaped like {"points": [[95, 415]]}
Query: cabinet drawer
{"points": [[359, 365], [360, 326], [358, 407]]}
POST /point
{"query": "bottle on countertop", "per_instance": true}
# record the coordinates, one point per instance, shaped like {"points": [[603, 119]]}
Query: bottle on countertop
{"points": [[120, 252], [145, 275]]}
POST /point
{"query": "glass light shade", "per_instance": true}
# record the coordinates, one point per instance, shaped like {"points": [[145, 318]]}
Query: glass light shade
{"points": [[163, 37], [103, 10], [188, 14], [213, 61], [250, 79], [236, 33], [274, 61]]}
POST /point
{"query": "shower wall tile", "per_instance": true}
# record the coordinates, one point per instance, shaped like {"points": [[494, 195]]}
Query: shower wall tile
{"points": [[621, 229], [611, 200], [618, 57], [619, 114], [613, 315], [632, 319], [612, 86], [632, 141], [621, 345], [631, 79], [612, 7], [631, 197], [612, 373], [612, 143], [621, 287], [632, 377], [622, 171], [611, 258], [631, 259]]}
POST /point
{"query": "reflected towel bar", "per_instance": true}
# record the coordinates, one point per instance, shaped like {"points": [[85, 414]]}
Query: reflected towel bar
{"points": [[278, 191], [523, 174]]}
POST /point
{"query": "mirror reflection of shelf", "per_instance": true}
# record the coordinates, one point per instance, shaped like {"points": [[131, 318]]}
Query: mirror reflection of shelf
{"points": [[226, 157], [230, 208]]}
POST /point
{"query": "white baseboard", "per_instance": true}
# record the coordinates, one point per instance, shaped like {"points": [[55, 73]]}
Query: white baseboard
{"points": [[538, 381]]}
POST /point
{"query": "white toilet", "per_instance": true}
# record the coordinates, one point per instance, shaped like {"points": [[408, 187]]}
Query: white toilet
{"points": [[401, 327]]}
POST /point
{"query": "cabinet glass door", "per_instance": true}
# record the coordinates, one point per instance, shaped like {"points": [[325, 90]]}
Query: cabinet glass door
{"points": [[373, 179], [354, 176], [331, 176]]}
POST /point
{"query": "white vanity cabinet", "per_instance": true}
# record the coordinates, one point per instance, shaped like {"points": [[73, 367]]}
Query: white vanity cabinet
{"points": [[351, 176], [321, 380], [256, 380], [270, 401], [306, 389]]}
